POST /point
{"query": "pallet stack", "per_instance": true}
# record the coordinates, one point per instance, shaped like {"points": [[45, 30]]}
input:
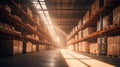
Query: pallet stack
{"points": [[85, 46], [10, 47], [114, 46], [94, 48]]}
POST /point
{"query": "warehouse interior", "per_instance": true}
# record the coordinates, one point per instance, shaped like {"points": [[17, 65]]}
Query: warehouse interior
{"points": [[59, 33]]}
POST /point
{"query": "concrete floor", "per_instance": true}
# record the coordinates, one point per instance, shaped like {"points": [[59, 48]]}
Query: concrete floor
{"points": [[59, 58], [74, 59]]}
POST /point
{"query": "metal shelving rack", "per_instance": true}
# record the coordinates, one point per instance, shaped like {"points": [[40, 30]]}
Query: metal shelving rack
{"points": [[8, 18], [110, 4]]}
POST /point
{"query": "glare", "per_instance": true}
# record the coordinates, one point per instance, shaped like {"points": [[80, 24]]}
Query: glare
{"points": [[43, 12], [58, 39], [44, 6], [43, 3], [78, 60], [37, 6], [41, 0]]}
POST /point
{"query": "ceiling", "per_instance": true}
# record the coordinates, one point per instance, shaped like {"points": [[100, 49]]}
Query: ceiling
{"points": [[65, 14]]}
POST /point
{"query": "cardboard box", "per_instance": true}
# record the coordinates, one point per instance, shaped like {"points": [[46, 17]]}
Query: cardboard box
{"points": [[114, 46], [20, 47], [80, 46], [106, 22], [111, 49], [98, 25], [17, 32], [35, 28], [29, 25], [18, 18], [76, 37], [28, 47], [104, 45], [94, 48], [103, 40], [79, 23], [87, 16], [80, 34], [118, 39], [29, 12], [88, 31], [116, 16], [96, 6], [33, 48], [85, 46], [7, 27], [10, 47], [8, 8], [36, 19]]}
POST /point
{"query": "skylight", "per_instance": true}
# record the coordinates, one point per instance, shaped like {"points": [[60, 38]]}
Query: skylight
{"points": [[44, 6], [40, 5]]}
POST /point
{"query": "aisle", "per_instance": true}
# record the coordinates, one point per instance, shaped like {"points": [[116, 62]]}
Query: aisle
{"points": [[79, 60], [51, 58]]}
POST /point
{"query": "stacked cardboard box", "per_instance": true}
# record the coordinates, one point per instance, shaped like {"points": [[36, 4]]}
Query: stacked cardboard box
{"points": [[114, 46], [29, 12], [95, 6], [88, 31], [42, 47], [29, 36], [33, 48], [17, 32], [10, 47], [18, 18], [76, 37], [79, 23], [87, 16], [36, 19], [39, 47], [106, 22], [17, 47], [98, 26], [80, 46], [104, 44], [85, 46], [28, 47], [80, 34], [8, 8], [94, 48], [20, 47], [116, 16], [29, 26], [36, 37], [76, 47], [7, 27], [35, 27]]}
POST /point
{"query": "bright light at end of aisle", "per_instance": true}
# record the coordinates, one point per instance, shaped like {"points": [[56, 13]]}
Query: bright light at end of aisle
{"points": [[58, 39]]}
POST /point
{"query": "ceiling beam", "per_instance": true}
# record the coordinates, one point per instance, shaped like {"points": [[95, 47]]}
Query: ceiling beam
{"points": [[80, 9], [65, 19]]}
